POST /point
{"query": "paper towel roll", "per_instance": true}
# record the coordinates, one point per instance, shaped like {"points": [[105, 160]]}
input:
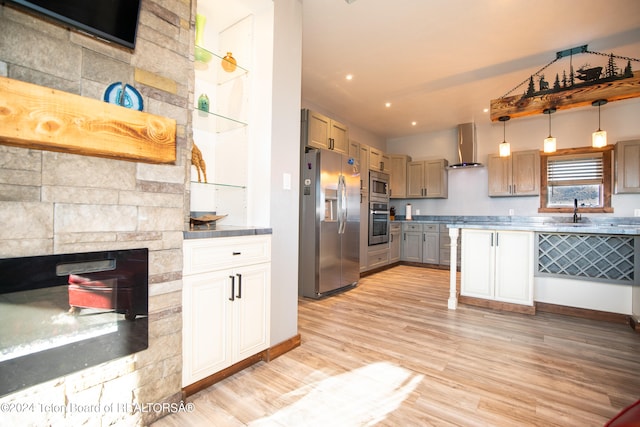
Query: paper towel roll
{"points": [[407, 215]]}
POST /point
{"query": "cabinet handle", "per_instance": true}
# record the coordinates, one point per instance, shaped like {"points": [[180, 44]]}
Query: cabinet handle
{"points": [[492, 239], [239, 286], [236, 253], [391, 235], [424, 237], [497, 237], [514, 189], [233, 288], [405, 236], [381, 166]]}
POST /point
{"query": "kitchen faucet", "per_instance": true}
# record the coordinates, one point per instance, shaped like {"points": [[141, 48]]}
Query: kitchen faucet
{"points": [[575, 211]]}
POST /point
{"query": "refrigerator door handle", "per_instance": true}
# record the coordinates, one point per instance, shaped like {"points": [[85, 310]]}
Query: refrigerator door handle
{"points": [[342, 204]]}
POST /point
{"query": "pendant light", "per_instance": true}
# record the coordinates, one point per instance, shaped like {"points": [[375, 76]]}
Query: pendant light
{"points": [[599, 137], [549, 142], [505, 147]]}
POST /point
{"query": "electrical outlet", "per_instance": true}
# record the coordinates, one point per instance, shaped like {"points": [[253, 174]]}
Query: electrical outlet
{"points": [[417, 211], [511, 212], [636, 212]]}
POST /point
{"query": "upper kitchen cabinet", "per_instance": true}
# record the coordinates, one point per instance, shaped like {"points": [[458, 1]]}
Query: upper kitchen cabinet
{"points": [[320, 131], [231, 135], [628, 166], [516, 175], [427, 179], [398, 180], [379, 161]]}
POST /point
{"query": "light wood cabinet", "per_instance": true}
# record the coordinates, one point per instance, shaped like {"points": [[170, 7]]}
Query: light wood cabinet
{"points": [[398, 175], [412, 242], [395, 232], [628, 166], [516, 175], [320, 131], [377, 160], [427, 179], [226, 301], [377, 256], [498, 265], [421, 243]]}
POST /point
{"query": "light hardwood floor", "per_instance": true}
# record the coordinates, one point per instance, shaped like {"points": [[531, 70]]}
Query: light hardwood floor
{"points": [[390, 353]]}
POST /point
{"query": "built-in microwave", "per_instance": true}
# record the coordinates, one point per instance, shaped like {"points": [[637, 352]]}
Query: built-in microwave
{"points": [[378, 186]]}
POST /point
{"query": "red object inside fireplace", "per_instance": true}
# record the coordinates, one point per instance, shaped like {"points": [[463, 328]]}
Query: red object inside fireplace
{"points": [[110, 294]]}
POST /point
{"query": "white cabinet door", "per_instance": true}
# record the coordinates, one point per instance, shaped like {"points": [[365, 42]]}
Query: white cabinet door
{"points": [[250, 332], [498, 265], [514, 267], [226, 303], [477, 269], [207, 315]]}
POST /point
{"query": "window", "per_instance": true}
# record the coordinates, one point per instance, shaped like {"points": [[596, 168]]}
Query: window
{"points": [[582, 174]]}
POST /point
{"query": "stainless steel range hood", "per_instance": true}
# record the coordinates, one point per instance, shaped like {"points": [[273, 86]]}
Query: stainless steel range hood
{"points": [[467, 147]]}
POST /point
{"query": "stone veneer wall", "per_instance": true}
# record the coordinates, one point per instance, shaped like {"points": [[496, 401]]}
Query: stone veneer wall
{"points": [[58, 203]]}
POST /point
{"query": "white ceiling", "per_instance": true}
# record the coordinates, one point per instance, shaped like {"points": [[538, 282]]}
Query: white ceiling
{"points": [[440, 62]]}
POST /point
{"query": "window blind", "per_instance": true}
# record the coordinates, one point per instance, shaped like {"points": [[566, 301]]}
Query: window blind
{"points": [[575, 170]]}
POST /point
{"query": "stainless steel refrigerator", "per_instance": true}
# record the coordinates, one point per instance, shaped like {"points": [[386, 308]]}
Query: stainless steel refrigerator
{"points": [[330, 223]]}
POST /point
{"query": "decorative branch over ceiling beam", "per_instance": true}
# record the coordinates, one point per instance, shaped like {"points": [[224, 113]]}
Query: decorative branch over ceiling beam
{"points": [[520, 106]]}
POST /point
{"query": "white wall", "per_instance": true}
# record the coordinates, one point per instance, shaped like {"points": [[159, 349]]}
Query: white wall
{"points": [[468, 188], [285, 137]]}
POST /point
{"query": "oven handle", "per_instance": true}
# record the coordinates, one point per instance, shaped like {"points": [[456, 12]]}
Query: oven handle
{"points": [[374, 212]]}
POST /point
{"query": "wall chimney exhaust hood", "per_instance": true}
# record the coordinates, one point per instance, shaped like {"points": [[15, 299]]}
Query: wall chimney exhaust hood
{"points": [[467, 147]]}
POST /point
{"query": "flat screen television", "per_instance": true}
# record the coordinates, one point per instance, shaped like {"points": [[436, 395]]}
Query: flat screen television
{"points": [[112, 20]]}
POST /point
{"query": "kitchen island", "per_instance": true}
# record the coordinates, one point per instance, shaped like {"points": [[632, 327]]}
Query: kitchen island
{"points": [[588, 265]]}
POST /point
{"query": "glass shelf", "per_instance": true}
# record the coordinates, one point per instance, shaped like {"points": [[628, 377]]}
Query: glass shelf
{"points": [[211, 70], [215, 123], [218, 184]]}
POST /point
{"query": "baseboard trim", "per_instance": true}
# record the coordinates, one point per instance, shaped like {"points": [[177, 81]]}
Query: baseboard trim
{"points": [[283, 347], [498, 305], [266, 355], [220, 375], [584, 313]]}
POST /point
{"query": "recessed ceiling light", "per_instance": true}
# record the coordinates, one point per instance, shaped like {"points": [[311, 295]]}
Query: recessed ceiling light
{"points": [[387, 104], [414, 123], [486, 110], [349, 76]]}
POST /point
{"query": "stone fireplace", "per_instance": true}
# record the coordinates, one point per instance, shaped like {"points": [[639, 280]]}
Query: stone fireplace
{"points": [[58, 203]]}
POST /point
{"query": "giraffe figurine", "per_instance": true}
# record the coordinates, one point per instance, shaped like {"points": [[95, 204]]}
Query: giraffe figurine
{"points": [[198, 161]]}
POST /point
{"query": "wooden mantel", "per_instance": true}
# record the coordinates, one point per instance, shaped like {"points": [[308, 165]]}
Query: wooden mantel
{"points": [[518, 106], [33, 116]]}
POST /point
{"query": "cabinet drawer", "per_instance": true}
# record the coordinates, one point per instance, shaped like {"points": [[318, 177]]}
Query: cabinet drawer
{"points": [[204, 255], [412, 227], [395, 226], [430, 228]]}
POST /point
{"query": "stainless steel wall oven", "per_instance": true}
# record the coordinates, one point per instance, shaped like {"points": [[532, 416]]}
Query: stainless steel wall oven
{"points": [[378, 223]]}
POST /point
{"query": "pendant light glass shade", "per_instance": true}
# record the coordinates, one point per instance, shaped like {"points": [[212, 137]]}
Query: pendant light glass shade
{"points": [[599, 137], [504, 147], [549, 142]]}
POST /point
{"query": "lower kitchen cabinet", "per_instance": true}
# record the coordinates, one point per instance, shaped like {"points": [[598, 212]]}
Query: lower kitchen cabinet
{"points": [[226, 303], [498, 265], [421, 243], [394, 242], [377, 256]]}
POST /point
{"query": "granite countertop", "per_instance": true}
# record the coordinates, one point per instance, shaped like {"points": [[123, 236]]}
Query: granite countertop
{"points": [[588, 225], [225, 231]]}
